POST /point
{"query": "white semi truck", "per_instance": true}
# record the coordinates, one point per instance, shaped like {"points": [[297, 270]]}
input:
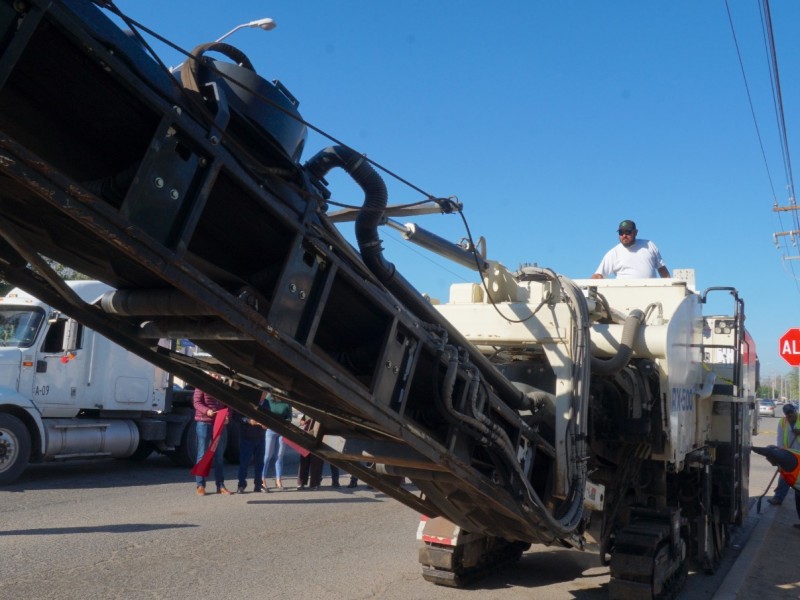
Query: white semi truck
{"points": [[67, 392]]}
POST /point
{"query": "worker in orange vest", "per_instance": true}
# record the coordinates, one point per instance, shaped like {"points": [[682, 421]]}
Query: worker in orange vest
{"points": [[788, 463], [787, 438]]}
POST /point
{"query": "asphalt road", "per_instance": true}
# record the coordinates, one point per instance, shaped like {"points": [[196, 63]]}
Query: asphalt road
{"points": [[114, 529]]}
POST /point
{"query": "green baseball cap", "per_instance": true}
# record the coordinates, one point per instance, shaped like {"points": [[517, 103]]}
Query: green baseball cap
{"points": [[626, 224]]}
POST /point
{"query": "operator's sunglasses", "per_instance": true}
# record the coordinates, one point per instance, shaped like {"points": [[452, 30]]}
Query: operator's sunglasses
{"points": [[625, 231]]}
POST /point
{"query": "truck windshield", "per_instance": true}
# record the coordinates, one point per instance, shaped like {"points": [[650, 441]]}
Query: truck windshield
{"points": [[19, 326]]}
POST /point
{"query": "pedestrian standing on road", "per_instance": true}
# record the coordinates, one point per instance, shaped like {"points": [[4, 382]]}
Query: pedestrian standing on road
{"points": [[631, 258], [274, 444], [334, 476], [206, 408], [788, 438], [309, 472], [251, 449]]}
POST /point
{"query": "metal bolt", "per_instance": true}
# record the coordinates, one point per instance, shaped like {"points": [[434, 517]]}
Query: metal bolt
{"points": [[302, 295], [252, 302], [292, 288], [214, 140], [174, 194], [158, 182]]}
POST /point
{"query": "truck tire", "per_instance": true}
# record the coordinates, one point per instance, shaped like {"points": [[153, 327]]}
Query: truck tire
{"points": [[143, 450], [15, 448], [185, 454]]}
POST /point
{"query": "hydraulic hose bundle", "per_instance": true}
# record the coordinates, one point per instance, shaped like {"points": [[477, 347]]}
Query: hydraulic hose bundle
{"points": [[506, 395]]}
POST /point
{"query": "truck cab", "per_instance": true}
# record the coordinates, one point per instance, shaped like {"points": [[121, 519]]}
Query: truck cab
{"points": [[67, 392]]}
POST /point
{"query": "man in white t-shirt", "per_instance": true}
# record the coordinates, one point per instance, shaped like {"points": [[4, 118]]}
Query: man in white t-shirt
{"points": [[631, 258]]}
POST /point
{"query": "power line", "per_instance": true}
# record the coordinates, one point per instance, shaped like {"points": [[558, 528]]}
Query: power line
{"points": [[788, 255], [780, 116], [778, 101], [750, 101]]}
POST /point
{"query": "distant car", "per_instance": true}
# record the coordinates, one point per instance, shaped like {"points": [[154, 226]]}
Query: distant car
{"points": [[766, 408]]}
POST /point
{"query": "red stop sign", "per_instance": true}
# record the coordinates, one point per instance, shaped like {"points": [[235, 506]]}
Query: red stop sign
{"points": [[789, 347]]}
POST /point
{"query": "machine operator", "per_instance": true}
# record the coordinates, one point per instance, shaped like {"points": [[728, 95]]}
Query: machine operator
{"points": [[632, 258]]}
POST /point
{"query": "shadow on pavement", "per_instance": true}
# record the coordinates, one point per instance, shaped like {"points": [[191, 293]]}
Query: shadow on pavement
{"points": [[125, 528]]}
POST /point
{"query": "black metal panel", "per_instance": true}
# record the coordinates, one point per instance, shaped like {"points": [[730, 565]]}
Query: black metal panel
{"points": [[15, 31], [296, 296], [164, 182], [87, 130], [352, 330], [392, 366]]}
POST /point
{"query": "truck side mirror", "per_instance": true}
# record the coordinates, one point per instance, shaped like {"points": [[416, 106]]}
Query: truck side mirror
{"points": [[71, 332]]}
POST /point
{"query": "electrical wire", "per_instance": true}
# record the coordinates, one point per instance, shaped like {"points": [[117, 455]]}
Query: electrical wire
{"points": [[778, 99], [481, 272], [424, 255], [750, 100], [777, 96], [772, 60]]}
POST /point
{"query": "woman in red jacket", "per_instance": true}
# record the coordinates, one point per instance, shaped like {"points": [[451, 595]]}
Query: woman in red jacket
{"points": [[206, 408]]}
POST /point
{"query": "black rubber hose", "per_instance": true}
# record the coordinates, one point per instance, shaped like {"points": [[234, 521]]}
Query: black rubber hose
{"points": [[190, 68], [375, 199], [616, 363]]}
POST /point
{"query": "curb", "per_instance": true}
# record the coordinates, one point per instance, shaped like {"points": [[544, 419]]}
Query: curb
{"points": [[744, 563]]}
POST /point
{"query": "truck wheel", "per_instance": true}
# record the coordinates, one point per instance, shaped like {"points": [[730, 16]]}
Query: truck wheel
{"points": [[185, 454], [15, 448], [143, 450]]}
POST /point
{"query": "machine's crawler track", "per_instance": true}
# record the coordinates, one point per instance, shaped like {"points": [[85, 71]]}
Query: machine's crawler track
{"points": [[649, 559], [453, 557]]}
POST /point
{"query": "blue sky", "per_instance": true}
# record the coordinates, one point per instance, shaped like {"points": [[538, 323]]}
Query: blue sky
{"points": [[551, 122]]}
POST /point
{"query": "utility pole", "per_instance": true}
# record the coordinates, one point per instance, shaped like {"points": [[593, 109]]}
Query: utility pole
{"points": [[790, 234]]}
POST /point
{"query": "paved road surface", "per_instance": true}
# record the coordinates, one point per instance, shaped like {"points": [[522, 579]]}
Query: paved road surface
{"points": [[114, 529]]}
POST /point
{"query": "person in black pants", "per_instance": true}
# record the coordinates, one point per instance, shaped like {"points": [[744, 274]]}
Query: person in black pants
{"points": [[251, 447], [309, 473]]}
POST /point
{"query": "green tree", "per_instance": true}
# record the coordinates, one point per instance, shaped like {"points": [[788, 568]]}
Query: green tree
{"points": [[790, 383], [66, 273]]}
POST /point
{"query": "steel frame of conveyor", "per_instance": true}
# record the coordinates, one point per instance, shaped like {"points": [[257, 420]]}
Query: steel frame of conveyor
{"points": [[101, 221]]}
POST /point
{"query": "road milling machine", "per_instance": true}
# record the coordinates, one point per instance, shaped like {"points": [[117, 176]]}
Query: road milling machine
{"points": [[611, 416]]}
